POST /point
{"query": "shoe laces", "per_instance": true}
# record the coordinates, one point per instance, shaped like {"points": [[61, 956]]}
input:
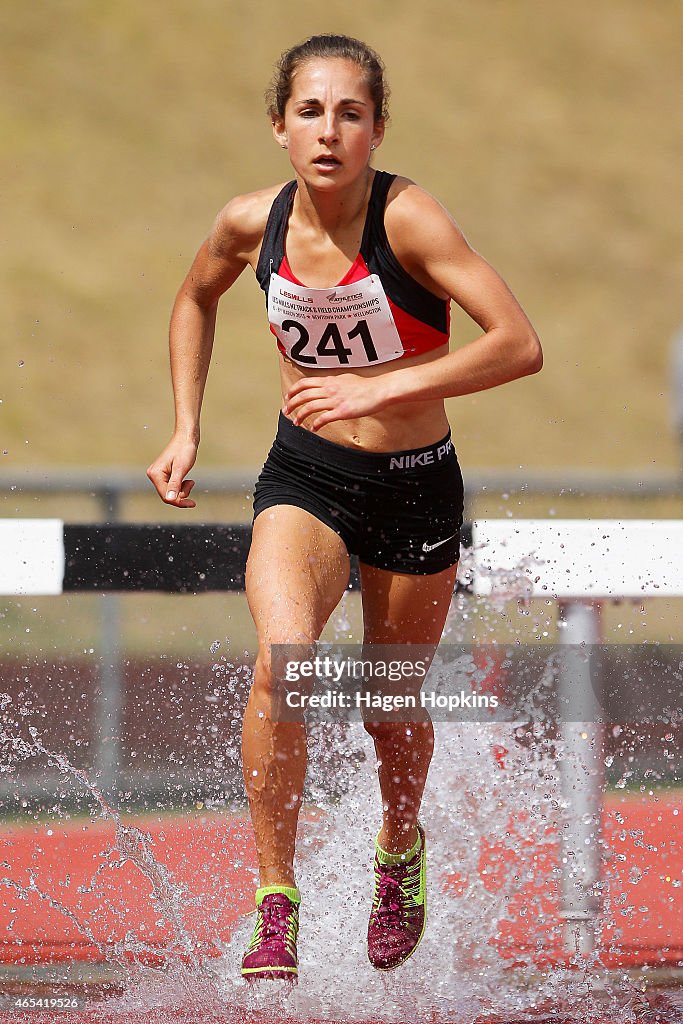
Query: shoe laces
{"points": [[277, 920], [394, 897]]}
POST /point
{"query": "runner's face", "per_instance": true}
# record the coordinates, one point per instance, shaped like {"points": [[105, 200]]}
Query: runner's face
{"points": [[329, 124]]}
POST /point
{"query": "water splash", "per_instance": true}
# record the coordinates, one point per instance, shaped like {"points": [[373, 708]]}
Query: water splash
{"points": [[458, 973], [131, 843]]}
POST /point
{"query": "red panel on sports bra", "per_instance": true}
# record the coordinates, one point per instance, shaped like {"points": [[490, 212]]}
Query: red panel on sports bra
{"points": [[356, 272], [417, 337]]}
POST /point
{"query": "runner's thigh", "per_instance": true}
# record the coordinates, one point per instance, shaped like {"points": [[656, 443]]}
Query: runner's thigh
{"points": [[297, 571], [399, 608]]}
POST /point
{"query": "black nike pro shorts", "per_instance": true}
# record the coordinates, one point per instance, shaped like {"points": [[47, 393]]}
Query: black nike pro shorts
{"points": [[400, 511]]}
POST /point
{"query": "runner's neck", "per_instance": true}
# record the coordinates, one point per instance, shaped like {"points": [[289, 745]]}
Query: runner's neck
{"points": [[332, 212]]}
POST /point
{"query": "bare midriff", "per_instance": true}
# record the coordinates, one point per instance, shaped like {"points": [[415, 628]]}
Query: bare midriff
{"points": [[394, 428]]}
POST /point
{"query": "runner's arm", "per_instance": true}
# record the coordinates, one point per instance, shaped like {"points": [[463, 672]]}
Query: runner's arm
{"points": [[217, 265], [428, 238]]}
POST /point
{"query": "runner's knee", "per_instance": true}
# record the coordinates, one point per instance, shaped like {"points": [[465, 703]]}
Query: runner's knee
{"points": [[267, 670], [401, 734]]}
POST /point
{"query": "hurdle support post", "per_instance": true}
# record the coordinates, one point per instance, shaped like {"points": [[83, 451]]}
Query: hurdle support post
{"points": [[111, 695], [581, 771]]}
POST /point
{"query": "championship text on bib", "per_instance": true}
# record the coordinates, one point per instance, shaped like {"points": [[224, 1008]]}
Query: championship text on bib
{"points": [[330, 327]]}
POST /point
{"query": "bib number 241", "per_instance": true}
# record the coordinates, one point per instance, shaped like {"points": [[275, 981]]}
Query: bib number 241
{"points": [[331, 343]]}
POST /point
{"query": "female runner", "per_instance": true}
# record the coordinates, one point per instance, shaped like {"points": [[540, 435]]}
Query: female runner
{"points": [[358, 267]]}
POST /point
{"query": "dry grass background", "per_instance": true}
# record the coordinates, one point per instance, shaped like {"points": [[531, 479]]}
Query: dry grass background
{"points": [[552, 131]]}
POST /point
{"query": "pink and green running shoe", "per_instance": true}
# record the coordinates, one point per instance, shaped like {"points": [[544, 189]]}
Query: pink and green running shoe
{"points": [[271, 952], [399, 907]]}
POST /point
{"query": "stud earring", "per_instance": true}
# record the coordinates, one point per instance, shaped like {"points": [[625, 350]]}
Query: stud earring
{"points": [[373, 146]]}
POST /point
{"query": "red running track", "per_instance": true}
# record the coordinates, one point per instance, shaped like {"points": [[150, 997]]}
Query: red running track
{"points": [[78, 866]]}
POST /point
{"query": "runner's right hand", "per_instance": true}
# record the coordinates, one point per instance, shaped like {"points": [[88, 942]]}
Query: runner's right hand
{"points": [[167, 473]]}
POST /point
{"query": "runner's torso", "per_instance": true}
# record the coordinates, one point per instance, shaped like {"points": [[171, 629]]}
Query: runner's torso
{"points": [[377, 314]]}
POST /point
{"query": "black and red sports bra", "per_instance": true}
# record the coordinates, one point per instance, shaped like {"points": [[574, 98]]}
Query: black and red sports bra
{"points": [[376, 313]]}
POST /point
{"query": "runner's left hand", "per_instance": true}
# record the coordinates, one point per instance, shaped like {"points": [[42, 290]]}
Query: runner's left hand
{"points": [[342, 397]]}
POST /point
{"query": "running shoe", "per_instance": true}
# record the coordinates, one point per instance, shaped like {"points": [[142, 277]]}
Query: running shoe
{"points": [[272, 950], [399, 909]]}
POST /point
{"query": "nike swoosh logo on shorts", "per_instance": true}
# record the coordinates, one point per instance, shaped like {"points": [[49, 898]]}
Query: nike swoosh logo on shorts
{"points": [[430, 547]]}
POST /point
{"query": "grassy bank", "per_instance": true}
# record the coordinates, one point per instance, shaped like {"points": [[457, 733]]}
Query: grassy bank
{"points": [[545, 128]]}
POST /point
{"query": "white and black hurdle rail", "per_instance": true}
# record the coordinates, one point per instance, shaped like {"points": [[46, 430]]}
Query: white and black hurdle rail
{"points": [[568, 559], [579, 563], [49, 556]]}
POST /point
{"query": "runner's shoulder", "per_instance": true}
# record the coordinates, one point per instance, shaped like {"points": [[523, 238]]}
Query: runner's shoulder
{"points": [[408, 204], [416, 221], [238, 229]]}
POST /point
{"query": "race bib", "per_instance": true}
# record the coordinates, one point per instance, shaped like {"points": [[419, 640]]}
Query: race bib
{"points": [[350, 325]]}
